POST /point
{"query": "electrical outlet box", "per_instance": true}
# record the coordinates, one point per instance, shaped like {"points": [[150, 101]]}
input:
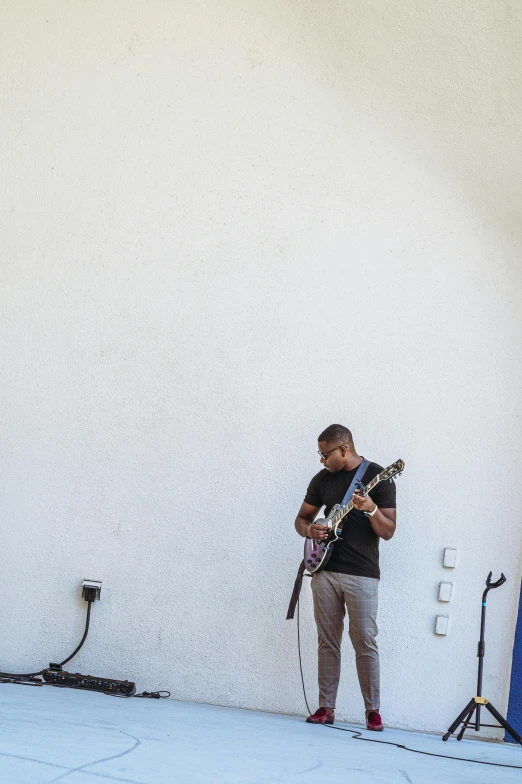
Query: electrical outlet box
{"points": [[441, 624], [445, 590], [450, 557], [91, 590]]}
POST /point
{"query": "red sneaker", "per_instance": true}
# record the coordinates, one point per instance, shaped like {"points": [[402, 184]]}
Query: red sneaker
{"points": [[374, 721], [321, 716]]}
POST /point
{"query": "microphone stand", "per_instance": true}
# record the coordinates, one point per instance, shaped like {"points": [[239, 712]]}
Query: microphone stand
{"points": [[475, 704]]}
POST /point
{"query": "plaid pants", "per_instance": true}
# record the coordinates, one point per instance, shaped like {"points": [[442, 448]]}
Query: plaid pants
{"points": [[331, 592]]}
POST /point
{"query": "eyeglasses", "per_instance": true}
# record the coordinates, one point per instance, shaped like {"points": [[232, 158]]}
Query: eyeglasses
{"points": [[324, 455]]}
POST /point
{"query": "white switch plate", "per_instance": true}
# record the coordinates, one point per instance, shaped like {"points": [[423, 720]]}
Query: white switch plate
{"points": [[450, 557], [445, 592], [441, 624]]}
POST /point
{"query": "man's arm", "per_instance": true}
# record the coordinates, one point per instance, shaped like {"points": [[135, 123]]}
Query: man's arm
{"points": [[304, 522], [383, 521]]}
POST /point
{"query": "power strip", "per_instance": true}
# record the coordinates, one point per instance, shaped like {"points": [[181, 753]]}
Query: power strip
{"points": [[89, 682]]}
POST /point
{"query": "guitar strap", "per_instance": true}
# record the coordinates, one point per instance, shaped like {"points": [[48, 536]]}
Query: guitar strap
{"points": [[356, 482], [297, 590]]}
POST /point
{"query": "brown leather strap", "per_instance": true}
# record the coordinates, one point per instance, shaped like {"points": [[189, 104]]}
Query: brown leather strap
{"points": [[296, 591]]}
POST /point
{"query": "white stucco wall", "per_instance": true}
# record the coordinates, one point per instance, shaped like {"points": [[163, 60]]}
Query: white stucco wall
{"points": [[226, 225]]}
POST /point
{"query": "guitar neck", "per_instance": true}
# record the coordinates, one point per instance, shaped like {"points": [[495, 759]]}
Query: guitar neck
{"points": [[343, 511]]}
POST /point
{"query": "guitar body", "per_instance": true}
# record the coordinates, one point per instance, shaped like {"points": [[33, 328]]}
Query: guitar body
{"points": [[317, 553]]}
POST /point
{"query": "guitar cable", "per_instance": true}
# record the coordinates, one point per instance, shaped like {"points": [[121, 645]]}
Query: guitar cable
{"points": [[356, 735]]}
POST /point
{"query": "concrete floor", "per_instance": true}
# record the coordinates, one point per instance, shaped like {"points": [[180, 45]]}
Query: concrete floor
{"points": [[49, 735]]}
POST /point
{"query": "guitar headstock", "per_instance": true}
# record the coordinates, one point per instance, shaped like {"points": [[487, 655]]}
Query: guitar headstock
{"points": [[393, 470]]}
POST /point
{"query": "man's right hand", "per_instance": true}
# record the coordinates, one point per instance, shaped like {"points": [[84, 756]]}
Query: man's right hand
{"points": [[305, 518], [318, 531]]}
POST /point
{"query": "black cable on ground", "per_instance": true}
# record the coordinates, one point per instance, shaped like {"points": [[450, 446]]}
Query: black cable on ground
{"points": [[163, 694], [356, 735], [24, 682], [155, 695], [34, 674]]}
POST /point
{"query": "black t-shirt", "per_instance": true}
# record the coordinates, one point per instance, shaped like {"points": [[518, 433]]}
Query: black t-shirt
{"points": [[358, 551]]}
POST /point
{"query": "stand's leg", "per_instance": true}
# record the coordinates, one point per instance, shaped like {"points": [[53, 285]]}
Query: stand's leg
{"points": [[468, 709], [465, 723], [501, 720]]}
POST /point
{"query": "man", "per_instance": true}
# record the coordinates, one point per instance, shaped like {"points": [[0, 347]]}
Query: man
{"points": [[351, 576]]}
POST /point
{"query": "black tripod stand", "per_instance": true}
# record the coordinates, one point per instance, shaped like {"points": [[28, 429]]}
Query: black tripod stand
{"points": [[474, 705]]}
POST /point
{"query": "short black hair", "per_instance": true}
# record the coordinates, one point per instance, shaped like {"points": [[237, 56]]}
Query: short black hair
{"points": [[337, 433]]}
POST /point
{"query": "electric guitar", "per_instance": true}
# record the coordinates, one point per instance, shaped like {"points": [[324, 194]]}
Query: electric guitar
{"points": [[317, 553]]}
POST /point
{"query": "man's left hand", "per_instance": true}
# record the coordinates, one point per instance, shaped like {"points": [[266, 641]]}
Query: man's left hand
{"points": [[362, 502]]}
